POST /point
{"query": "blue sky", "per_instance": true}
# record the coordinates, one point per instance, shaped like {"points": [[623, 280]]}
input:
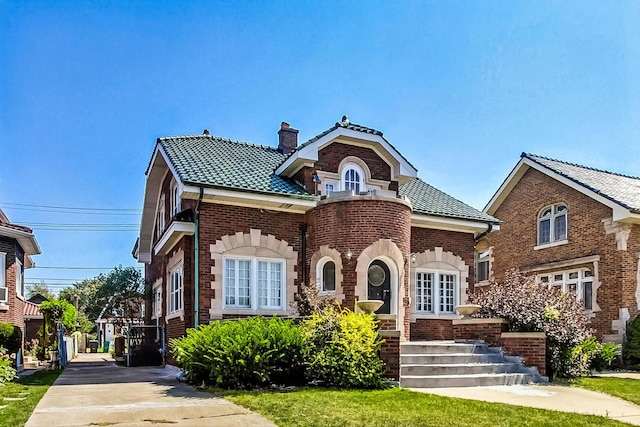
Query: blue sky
{"points": [[461, 88]]}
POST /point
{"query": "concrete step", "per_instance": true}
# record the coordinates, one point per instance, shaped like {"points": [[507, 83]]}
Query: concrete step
{"points": [[458, 369], [441, 347], [449, 358], [475, 380]]}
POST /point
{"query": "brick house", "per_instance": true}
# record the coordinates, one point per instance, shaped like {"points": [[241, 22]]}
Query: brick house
{"points": [[17, 245], [231, 229], [575, 228]]}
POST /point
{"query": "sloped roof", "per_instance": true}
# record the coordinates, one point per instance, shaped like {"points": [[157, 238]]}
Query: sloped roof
{"points": [[428, 200], [621, 189], [217, 162], [32, 311]]}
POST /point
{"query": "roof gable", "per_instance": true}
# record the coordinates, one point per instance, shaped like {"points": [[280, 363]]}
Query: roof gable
{"points": [[353, 134], [620, 192]]}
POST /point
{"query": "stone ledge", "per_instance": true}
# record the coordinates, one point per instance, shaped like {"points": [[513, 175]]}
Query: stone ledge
{"points": [[478, 321], [390, 334], [523, 335]]}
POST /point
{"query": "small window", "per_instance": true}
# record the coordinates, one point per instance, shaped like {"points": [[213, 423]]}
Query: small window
{"points": [[578, 283], [19, 276], [327, 277], [156, 303], [329, 187], [483, 266], [175, 290], [552, 224], [353, 178], [175, 199]]}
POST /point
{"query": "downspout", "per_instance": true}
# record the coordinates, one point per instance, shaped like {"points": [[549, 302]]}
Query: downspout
{"points": [[487, 231], [303, 236], [196, 279]]}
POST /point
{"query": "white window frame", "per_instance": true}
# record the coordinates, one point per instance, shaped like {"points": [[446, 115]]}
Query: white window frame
{"points": [[19, 278], [3, 276], [435, 292], [254, 294], [483, 257], [552, 217], [160, 223], [335, 186], [583, 275], [173, 290], [156, 302], [175, 198], [320, 276], [361, 178]]}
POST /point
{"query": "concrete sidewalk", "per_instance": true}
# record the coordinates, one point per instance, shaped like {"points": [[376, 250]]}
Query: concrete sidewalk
{"points": [[92, 390], [544, 396]]}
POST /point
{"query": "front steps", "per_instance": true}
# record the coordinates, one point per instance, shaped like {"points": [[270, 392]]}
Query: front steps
{"points": [[427, 364]]}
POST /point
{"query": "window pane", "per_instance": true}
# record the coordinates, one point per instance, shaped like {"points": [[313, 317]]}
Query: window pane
{"points": [[557, 278], [276, 284], [243, 283], [329, 276], [262, 283], [588, 295], [424, 292], [447, 293], [560, 232], [544, 235], [230, 282], [483, 271]]}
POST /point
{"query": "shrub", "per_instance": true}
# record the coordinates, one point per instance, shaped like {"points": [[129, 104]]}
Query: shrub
{"points": [[342, 349], [10, 337], [531, 307], [310, 301], [608, 356], [7, 372], [631, 348], [242, 354]]}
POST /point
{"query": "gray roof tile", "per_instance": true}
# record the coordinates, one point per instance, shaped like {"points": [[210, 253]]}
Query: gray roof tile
{"points": [[218, 162], [428, 200], [621, 189]]}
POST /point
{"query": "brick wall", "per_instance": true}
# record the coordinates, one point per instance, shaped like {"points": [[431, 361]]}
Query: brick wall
{"points": [[586, 237], [488, 330], [431, 329], [530, 346], [329, 159], [390, 354], [15, 312]]}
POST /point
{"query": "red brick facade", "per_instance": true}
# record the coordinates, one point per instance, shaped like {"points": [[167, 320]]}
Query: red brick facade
{"points": [[531, 347], [13, 312], [513, 245]]}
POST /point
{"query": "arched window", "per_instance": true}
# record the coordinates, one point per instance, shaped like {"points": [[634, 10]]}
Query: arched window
{"points": [[353, 178], [552, 224], [326, 276]]}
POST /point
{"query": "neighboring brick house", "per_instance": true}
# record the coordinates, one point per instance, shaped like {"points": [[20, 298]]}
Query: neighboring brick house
{"points": [[17, 245], [344, 211], [575, 228]]}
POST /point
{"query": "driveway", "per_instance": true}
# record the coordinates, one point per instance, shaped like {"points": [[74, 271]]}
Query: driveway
{"points": [[94, 391]]}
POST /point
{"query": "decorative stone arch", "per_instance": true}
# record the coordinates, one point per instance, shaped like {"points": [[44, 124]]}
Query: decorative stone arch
{"points": [[252, 244], [326, 252], [358, 162], [438, 259], [387, 251]]}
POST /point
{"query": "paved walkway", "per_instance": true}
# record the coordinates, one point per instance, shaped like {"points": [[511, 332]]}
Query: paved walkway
{"points": [[545, 396], [93, 391]]}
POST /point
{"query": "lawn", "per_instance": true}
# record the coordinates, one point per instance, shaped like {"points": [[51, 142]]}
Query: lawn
{"points": [[27, 392], [396, 407], [624, 388]]}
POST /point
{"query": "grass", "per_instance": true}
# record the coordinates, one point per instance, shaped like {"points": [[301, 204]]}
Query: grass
{"points": [[31, 388], [396, 407], [624, 388]]}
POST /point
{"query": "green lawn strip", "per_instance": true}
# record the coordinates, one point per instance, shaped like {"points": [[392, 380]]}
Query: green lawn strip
{"points": [[624, 388], [396, 407], [32, 388]]}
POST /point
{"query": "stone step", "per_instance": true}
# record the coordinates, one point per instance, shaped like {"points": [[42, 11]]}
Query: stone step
{"points": [[449, 358], [439, 381], [458, 369], [441, 347]]}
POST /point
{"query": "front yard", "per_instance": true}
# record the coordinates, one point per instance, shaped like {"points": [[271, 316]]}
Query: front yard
{"points": [[396, 407], [624, 388], [20, 397]]}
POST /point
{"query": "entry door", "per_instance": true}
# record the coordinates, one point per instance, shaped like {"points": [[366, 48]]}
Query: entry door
{"points": [[379, 285]]}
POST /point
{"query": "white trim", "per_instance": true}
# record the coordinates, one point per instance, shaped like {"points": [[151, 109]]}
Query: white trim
{"points": [[178, 311], [437, 273], [250, 199], [172, 235], [156, 304], [254, 303], [19, 278], [619, 212], [320, 275], [561, 264], [450, 224], [551, 245], [26, 240]]}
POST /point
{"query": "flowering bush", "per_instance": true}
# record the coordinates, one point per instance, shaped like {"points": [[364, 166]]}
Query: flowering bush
{"points": [[531, 307], [7, 372]]}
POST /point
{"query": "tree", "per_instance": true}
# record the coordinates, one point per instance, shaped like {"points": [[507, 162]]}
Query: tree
{"points": [[87, 293], [122, 294], [39, 288]]}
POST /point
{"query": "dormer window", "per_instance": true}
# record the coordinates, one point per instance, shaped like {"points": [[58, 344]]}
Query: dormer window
{"points": [[552, 224], [353, 178]]}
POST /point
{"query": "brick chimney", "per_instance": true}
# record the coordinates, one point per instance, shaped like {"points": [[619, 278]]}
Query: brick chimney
{"points": [[287, 138]]}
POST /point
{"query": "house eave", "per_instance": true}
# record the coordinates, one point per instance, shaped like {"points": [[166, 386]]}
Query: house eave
{"points": [[26, 240], [172, 235], [451, 224]]}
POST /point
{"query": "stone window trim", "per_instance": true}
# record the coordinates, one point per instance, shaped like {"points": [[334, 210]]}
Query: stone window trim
{"points": [[553, 214], [441, 260], [322, 255], [175, 261], [252, 244], [254, 296], [156, 304], [591, 262]]}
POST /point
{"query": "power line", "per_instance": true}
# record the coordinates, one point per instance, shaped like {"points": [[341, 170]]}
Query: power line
{"points": [[79, 268], [73, 208], [70, 212]]}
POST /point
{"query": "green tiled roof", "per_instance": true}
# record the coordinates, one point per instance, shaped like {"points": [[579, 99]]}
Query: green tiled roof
{"points": [[429, 200], [621, 189], [217, 162]]}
